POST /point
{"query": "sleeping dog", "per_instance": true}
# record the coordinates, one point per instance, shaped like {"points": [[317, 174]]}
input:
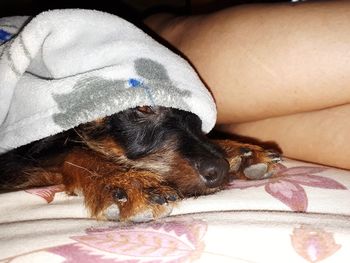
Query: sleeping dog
{"points": [[136, 164], [113, 115]]}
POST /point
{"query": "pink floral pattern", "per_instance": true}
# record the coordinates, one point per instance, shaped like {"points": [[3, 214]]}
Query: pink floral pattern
{"points": [[47, 193], [287, 185], [166, 241], [184, 238], [313, 244]]}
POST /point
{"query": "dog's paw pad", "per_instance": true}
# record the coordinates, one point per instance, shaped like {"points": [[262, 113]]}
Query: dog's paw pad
{"points": [[112, 213], [256, 171], [144, 216], [254, 164]]}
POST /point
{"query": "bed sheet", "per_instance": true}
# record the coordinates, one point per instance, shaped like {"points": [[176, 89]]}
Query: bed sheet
{"points": [[301, 215]]}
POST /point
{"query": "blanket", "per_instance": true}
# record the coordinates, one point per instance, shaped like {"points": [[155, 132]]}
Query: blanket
{"points": [[66, 67]]}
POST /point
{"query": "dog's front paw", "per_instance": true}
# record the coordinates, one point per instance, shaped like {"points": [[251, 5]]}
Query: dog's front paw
{"points": [[141, 205], [115, 193], [259, 163], [250, 161]]}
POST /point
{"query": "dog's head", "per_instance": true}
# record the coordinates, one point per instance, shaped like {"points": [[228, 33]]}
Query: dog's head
{"points": [[166, 141]]}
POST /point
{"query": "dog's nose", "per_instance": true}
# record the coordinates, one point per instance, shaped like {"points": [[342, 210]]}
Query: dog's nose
{"points": [[213, 172]]}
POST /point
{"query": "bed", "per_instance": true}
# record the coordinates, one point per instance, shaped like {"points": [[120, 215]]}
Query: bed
{"points": [[300, 215]]}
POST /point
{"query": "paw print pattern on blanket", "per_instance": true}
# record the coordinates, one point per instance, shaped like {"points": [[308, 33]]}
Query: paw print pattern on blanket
{"points": [[92, 95]]}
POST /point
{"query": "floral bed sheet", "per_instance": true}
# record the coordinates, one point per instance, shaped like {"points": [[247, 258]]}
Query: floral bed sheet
{"points": [[300, 215]]}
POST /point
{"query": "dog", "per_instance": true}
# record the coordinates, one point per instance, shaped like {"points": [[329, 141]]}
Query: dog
{"points": [[135, 165]]}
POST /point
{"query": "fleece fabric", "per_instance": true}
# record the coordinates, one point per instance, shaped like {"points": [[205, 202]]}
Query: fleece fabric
{"points": [[66, 67]]}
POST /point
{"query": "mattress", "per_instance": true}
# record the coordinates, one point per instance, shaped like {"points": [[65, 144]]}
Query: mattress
{"points": [[300, 215]]}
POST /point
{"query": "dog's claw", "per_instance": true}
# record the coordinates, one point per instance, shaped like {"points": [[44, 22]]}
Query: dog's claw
{"points": [[158, 199], [274, 156], [120, 195], [235, 164], [161, 197], [172, 197], [245, 151]]}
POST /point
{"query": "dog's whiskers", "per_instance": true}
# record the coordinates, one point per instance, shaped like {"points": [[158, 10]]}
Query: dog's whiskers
{"points": [[93, 174]]}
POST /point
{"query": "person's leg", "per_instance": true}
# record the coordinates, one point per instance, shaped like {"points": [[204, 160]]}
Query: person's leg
{"points": [[319, 136], [267, 60]]}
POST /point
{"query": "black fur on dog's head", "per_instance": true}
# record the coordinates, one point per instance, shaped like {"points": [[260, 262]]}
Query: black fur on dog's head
{"points": [[169, 141]]}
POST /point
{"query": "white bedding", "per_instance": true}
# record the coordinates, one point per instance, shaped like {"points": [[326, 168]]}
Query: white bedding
{"points": [[302, 215]]}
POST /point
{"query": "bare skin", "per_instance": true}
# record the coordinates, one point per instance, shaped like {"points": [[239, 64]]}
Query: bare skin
{"points": [[278, 72]]}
